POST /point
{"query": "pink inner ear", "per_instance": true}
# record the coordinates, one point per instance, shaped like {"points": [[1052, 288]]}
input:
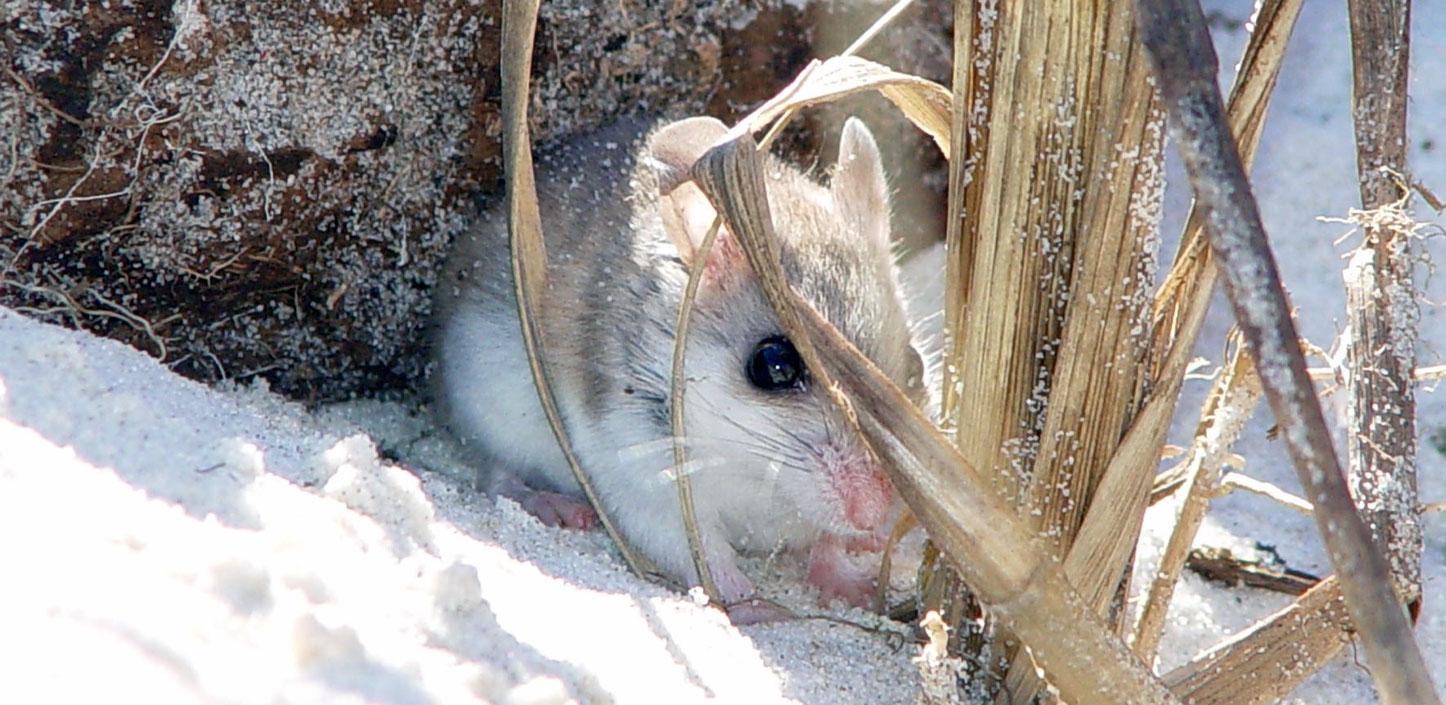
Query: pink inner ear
{"points": [[727, 264]]}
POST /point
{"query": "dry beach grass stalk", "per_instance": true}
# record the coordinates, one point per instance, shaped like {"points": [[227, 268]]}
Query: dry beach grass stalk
{"points": [[1047, 305], [1183, 299], [1381, 307], [1230, 403]]}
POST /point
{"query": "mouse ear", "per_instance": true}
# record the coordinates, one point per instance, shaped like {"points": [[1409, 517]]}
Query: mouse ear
{"points": [[674, 147], [672, 150], [860, 191]]}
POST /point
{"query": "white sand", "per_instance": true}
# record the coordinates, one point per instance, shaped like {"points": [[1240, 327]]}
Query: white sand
{"points": [[165, 542]]}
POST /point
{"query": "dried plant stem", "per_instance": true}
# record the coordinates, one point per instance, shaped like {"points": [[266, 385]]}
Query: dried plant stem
{"points": [[1184, 296], [1103, 542], [1231, 402], [1002, 559], [1381, 303], [1047, 269], [1428, 373], [675, 412], [877, 26], [1271, 658], [529, 255], [1235, 481], [1169, 482], [1178, 42], [1222, 565]]}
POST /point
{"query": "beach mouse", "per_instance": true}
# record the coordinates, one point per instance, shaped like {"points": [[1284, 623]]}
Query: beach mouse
{"points": [[772, 465]]}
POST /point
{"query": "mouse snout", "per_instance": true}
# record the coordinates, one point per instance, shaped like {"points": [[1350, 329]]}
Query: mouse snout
{"points": [[866, 494]]}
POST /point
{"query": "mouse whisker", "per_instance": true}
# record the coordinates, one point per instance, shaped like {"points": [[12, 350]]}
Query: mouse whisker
{"points": [[659, 446]]}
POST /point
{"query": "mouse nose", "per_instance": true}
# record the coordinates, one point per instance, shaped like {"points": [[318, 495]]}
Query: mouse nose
{"points": [[867, 496]]}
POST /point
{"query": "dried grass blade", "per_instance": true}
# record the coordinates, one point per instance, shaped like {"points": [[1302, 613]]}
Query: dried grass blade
{"points": [[1178, 42], [924, 102], [1185, 294], [1272, 657], [529, 255], [904, 437], [1232, 399], [940, 587], [1381, 306], [1235, 481], [677, 394], [1004, 562]]}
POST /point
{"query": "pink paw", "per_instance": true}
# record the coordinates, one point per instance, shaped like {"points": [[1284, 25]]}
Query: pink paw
{"points": [[836, 577], [855, 588], [555, 509], [867, 543], [757, 612]]}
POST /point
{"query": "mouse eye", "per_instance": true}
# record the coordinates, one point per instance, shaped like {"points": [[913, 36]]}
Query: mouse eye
{"points": [[775, 365]]}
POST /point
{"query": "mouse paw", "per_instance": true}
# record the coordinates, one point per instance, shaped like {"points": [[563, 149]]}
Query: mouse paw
{"points": [[837, 577], [757, 611], [867, 543], [556, 509]]}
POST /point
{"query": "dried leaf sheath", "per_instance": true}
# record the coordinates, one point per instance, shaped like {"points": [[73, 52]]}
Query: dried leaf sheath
{"points": [[524, 225], [1055, 199], [1271, 658]]}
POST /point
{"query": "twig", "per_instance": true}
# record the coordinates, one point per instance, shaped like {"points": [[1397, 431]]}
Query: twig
{"points": [[1237, 481], [1381, 307], [1429, 373], [1233, 398], [529, 258], [878, 26], [1222, 565], [1178, 43]]}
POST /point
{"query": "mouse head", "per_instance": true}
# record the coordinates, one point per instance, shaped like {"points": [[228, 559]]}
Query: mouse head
{"points": [[750, 393]]}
